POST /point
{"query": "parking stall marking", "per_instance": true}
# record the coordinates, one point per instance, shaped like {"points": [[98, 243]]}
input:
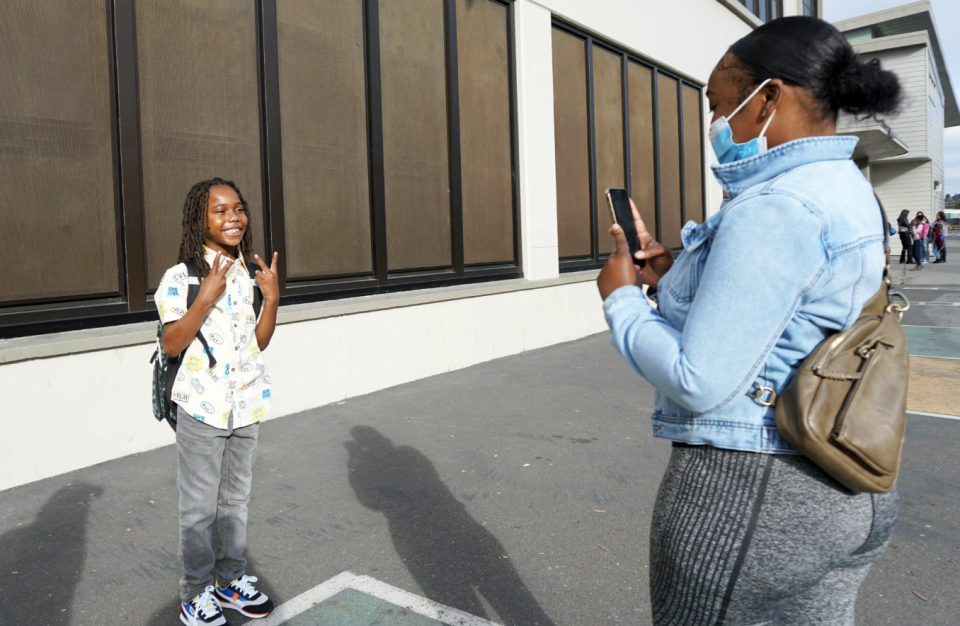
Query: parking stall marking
{"points": [[313, 599]]}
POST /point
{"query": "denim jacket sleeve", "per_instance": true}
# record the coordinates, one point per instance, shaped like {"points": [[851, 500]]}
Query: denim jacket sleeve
{"points": [[768, 253]]}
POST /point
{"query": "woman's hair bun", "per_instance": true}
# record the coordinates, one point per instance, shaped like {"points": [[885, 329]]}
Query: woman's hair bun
{"points": [[863, 88], [813, 54]]}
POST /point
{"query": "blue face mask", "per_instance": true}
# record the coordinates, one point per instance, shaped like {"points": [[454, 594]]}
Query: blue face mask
{"points": [[721, 136]]}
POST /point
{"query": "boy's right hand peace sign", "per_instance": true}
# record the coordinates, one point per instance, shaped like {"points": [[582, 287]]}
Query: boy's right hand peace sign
{"points": [[215, 283]]}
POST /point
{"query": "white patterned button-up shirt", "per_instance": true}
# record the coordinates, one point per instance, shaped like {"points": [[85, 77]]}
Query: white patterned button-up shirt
{"points": [[239, 382]]}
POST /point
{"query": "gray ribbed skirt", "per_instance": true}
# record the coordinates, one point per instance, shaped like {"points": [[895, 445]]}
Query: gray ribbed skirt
{"points": [[740, 538]]}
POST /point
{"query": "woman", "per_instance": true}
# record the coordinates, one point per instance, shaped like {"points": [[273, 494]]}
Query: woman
{"points": [[940, 228], [927, 238], [903, 230], [917, 235], [745, 530]]}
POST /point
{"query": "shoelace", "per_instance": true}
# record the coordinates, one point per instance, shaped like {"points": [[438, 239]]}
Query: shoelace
{"points": [[245, 586], [206, 605]]}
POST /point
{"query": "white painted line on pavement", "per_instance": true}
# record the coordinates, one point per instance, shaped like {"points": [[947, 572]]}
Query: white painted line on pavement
{"points": [[371, 586], [422, 606], [922, 326], [307, 599], [941, 415]]}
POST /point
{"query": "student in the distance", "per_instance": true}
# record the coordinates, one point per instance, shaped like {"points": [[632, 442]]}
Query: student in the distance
{"points": [[220, 407]]}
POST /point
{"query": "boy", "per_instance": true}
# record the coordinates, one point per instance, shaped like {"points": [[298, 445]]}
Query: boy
{"points": [[222, 391]]}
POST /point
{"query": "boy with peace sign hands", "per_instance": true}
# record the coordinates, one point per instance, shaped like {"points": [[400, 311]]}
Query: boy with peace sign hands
{"points": [[222, 391]]}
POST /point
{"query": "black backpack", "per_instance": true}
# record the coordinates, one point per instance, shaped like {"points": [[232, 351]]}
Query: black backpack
{"points": [[165, 368]]}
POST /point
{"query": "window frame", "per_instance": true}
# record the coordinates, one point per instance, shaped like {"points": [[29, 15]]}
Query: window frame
{"points": [[135, 302], [599, 254]]}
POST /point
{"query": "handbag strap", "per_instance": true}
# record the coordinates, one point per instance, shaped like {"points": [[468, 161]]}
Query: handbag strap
{"points": [[896, 302], [886, 242], [892, 302]]}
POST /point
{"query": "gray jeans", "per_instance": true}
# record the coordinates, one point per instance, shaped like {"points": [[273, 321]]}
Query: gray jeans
{"points": [[214, 476]]}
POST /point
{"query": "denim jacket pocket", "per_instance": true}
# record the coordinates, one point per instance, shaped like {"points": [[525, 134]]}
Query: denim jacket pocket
{"points": [[684, 276]]}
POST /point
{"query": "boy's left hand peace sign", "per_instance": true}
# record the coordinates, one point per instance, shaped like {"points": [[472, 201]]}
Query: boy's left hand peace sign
{"points": [[267, 279]]}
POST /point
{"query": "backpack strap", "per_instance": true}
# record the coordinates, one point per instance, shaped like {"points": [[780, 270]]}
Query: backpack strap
{"points": [[193, 290], [253, 268]]}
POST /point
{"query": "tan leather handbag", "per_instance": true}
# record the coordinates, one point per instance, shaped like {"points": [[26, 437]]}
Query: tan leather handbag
{"points": [[845, 408]]}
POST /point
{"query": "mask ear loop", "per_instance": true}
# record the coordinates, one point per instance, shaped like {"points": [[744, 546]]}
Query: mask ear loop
{"points": [[748, 99], [767, 125]]}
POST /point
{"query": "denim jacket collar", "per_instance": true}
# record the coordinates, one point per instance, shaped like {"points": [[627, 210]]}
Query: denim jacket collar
{"points": [[739, 176]]}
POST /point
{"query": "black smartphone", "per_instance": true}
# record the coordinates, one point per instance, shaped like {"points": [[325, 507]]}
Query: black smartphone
{"points": [[622, 214]]}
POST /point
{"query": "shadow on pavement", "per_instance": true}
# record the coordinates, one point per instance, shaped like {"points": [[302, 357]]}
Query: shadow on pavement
{"points": [[48, 557], [453, 558]]}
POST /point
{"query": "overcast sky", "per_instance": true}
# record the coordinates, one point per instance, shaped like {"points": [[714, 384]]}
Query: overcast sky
{"points": [[946, 13]]}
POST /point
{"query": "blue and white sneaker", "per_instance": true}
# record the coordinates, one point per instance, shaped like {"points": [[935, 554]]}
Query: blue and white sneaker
{"points": [[204, 610], [241, 595]]}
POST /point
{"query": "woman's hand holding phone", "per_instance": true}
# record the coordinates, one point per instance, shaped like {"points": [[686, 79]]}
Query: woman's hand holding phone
{"points": [[621, 270]]}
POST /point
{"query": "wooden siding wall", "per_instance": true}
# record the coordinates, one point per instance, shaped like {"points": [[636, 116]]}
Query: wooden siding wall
{"points": [[910, 126], [901, 186], [935, 130]]}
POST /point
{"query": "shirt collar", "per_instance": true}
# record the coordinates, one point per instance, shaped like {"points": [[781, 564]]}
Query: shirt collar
{"points": [[739, 176], [210, 255]]}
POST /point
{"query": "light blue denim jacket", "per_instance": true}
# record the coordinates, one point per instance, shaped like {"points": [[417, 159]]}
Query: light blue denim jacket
{"points": [[792, 256]]}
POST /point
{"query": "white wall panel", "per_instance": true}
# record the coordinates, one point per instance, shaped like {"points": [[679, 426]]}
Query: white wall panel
{"points": [[483, 329], [69, 412], [65, 413], [308, 370], [387, 348]]}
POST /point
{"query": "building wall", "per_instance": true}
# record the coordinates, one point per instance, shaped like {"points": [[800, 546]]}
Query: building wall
{"points": [[901, 185], [935, 132], [75, 410], [910, 126], [659, 31]]}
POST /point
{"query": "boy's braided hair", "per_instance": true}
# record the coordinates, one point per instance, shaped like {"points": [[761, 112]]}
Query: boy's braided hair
{"points": [[195, 220]]}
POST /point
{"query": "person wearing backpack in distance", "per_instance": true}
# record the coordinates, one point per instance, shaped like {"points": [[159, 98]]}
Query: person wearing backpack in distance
{"points": [[745, 529], [222, 391]]}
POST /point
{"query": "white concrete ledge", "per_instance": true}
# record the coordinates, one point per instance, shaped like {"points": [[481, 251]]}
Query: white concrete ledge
{"points": [[94, 339], [742, 12]]}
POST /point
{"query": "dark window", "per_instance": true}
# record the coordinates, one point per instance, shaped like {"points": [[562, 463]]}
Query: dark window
{"points": [[325, 169], [417, 169], [621, 122], [766, 10], [484, 69], [374, 140], [608, 122], [643, 153], [692, 154], [58, 212], [199, 113], [671, 174], [571, 129], [810, 8]]}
